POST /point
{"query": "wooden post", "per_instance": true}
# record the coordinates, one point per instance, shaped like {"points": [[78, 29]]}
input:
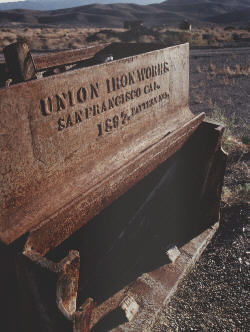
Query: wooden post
{"points": [[19, 62]]}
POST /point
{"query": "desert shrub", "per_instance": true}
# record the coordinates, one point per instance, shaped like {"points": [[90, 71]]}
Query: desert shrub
{"points": [[196, 36], [212, 67], [146, 39], [113, 40], [235, 36], [237, 71], [230, 142], [72, 45], [10, 37], [229, 28], [24, 39], [5, 30], [197, 39], [185, 36], [240, 194], [198, 69], [228, 72], [36, 44], [212, 39], [172, 37], [228, 122], [205, 36], [243, 192]]}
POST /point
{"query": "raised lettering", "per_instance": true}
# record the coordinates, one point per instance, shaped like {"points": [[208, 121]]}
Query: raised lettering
{"points": [[124, 80], [61, 101], [69, 121], [111, 104], [115, 121], [108, 125], [95, 110], [61, 124], [81, 95], [46, 105], [99, 126], [72, 98], [131, 78], [103, 108], [94, 91], [77, 117]]}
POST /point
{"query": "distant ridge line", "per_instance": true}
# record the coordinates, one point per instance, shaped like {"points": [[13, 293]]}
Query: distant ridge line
{"points": [[169, 12]]}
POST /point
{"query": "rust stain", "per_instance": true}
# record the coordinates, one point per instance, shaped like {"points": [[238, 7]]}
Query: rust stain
{"points": [[78, 141], [82, 127]]}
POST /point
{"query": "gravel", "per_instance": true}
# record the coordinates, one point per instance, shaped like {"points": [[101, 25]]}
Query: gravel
{"points": [[215, 295]]}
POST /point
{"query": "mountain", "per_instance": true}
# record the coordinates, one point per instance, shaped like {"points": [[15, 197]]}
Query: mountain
{"points": [[228, 2], [61, 4], [170, 12]]}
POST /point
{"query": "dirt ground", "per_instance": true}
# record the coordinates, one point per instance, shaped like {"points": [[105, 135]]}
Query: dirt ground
{"points": [[215, 295], [59, 38]]}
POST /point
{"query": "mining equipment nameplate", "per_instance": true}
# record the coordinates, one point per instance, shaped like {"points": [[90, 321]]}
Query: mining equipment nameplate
{"points": [[74, 142]]}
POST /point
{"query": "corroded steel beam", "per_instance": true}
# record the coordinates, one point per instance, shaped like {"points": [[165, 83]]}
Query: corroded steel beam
{"points": [[73, 143], [14, 68], [19, 62], [43, 62], [67, 276]]}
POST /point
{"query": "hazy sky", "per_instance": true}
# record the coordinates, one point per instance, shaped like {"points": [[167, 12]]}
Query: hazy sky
{"points": [[10, 0], [99, 1], [1, 1]]}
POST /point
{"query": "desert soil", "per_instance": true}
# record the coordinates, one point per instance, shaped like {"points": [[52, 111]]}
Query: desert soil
{"points": [[215, 295]]}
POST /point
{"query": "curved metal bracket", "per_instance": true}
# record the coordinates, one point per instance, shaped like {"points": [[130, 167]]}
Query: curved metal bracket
{"points": [[67, 288]]}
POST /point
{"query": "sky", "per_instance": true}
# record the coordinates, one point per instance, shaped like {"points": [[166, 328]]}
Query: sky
{"points": [[2, 1]]}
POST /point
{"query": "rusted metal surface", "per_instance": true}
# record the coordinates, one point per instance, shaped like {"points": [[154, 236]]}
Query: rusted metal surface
{"points": [[75, 142], [181, 205], [152, 290], [67, 285], [171, 206], [130, 307], [173, 253], [170, 211], [82, 317], [67, 282], [54, 63], [72, 145], [4, 75], [56, 229], [49, 63], [43, 62], [67, 271]]}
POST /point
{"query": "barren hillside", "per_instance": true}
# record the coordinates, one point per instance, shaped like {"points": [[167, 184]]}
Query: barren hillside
{"points": [[169, 12]]}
